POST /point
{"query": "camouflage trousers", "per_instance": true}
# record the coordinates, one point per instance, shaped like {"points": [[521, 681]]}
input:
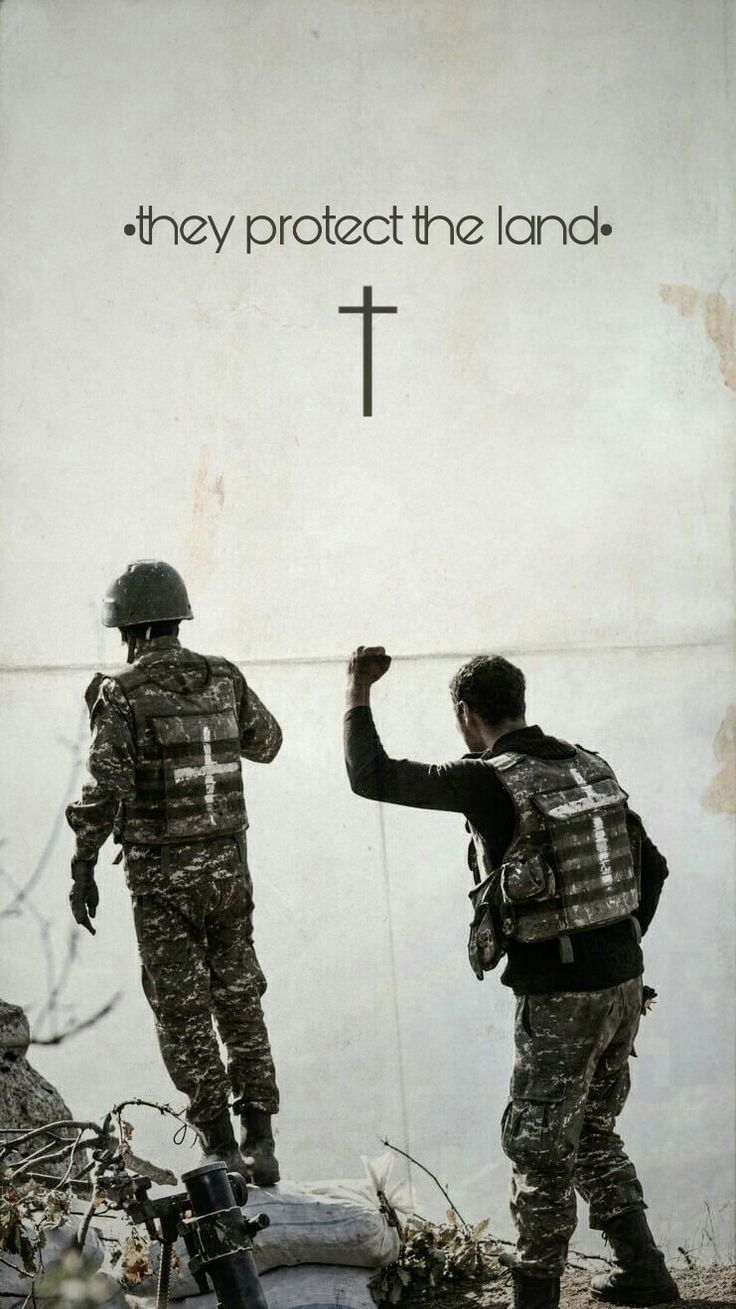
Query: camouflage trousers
{"points": [[193, 913], [570, 1082]]}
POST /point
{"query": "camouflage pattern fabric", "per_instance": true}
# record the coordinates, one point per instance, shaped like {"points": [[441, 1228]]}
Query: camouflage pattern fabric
{"points": [[193, 912], [166, 676], [571, 816], [110, 768], [570, 1082]]}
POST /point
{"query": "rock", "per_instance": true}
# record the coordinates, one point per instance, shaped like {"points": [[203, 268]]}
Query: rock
{"points": [[27, 1100]]}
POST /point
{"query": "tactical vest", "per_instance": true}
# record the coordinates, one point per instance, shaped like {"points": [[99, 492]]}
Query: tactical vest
{"points": [[569, 866], [188, 773]]}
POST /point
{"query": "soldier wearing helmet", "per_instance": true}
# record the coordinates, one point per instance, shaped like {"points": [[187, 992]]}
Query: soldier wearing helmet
{"points": [[168, 733]]}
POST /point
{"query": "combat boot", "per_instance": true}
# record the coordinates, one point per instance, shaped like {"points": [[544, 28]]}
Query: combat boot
{"points": [[217, 1139], [531, 1292], [641, 1276], [256, 1142], [535, 1292]]}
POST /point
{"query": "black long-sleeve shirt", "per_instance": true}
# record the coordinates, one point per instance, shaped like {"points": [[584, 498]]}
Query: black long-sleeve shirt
{"points": [[603, 956]]}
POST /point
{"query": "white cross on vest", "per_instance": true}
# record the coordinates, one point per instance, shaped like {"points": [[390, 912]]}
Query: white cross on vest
{"points": [[209, 771], [603, 849]]}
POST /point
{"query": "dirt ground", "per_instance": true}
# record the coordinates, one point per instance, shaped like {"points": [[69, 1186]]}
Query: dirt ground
{"points": [[700, 1288]]}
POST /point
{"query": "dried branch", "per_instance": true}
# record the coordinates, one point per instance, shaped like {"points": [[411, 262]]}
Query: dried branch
{"points": [[81, 1026], [22, 1272], [21, 902], [434, 1178], [57, 826], [89, 1213], [70, 1165], [163, 1109], [488, 1240], [49, 1157], [47, 1179], [45, 1130], [49, 1004]]}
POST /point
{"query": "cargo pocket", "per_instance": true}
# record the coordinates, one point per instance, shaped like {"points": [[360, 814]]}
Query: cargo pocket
{"points": [[532, 1127]]}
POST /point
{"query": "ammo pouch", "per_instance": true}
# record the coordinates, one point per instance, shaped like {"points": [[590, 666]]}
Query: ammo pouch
{"points": [[526, 879], [485, 945]]}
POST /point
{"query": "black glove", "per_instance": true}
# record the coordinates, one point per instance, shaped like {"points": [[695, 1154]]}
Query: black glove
{"points": [[84, 896]]}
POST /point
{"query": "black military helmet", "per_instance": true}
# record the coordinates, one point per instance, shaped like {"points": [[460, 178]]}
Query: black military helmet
{"points": [[149, 591]]}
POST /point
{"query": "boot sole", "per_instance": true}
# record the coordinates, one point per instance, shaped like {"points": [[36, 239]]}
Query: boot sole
{"points": [[637, 1298], [255, 1180]]}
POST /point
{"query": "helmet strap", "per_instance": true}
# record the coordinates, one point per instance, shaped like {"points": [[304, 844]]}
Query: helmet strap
{"points": [[131, 648]]}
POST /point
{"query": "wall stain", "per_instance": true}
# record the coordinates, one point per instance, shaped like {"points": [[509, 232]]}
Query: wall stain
{"points": [[208, 502], [720, 798], [720, 322]]}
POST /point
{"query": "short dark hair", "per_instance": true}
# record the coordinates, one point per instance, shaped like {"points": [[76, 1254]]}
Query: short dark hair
{"points": [[147, 631], [491, 686]]}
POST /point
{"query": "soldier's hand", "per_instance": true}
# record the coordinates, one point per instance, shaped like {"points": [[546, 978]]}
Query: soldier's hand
{"points": [[84, 896], [368, 664]]}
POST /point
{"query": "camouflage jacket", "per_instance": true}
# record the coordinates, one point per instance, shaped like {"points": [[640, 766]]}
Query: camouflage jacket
{"points": [[115, 756]]}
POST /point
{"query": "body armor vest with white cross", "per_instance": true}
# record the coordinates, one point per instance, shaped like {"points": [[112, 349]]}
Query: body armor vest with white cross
{"points": [[188, 773], [569, 866]]}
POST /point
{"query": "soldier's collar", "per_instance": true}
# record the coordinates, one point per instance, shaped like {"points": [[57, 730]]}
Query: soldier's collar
{"points": [[156, 644]]}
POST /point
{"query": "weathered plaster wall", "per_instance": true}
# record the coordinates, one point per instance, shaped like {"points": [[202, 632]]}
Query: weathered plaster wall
{"points": [[549, 472]]}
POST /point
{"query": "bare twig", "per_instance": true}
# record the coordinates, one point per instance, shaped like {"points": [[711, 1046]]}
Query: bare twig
{"points": [[35, 1160], [147, 1104], [7, 1146], [80, 1026], [31, 1296], [435, 1179], [49, 1004], [53, 1183], [599, 1258], [57, 827], [70, 1165], [89, 1214], [487, 1240], [42, 923], [164, 1109], [45, 1130], [22, 1272]]}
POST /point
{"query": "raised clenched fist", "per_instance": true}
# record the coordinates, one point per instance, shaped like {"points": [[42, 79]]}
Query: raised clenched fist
{"points": [[368, 663]]}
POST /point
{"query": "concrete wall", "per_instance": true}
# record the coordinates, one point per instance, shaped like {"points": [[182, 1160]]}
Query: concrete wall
{"points": [[548, 473]]}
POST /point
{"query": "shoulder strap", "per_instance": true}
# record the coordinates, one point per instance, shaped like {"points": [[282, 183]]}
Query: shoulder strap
{"points": [[221, 667], [129, 678]]}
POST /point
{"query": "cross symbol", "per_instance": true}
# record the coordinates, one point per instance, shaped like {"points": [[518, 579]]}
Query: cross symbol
{"points": [[208, 771], [603, 849], [367, 309]]}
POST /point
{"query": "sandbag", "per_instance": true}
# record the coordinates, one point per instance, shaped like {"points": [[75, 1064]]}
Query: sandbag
{"points": [[341, 1223], [322, 1226], [318, 1286], [315, 1286]]}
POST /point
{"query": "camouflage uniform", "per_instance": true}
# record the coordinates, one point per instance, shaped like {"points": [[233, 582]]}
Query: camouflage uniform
{"points": [[192, 898], [570, 1082], [193, 913]]}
